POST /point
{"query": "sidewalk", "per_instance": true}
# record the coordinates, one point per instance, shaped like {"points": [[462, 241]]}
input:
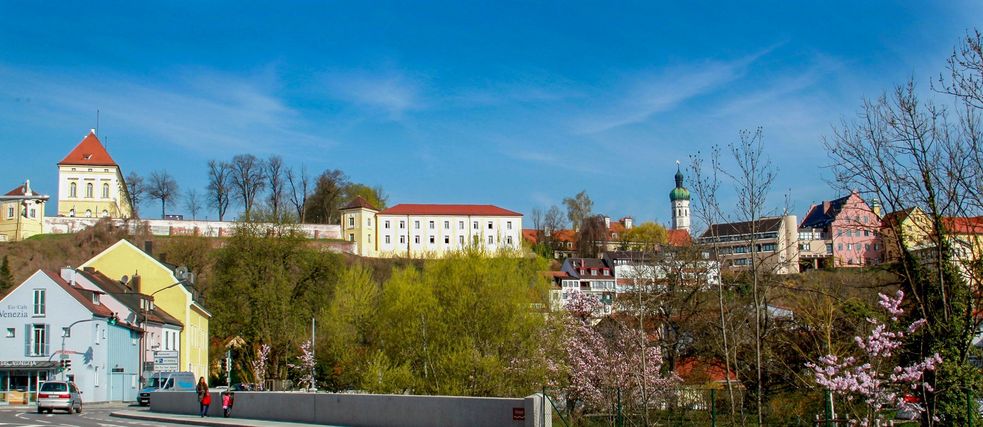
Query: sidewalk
{"points": [[146, 415]]}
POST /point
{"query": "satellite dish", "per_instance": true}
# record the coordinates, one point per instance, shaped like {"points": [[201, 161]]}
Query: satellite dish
{"points": [[181, 272], [125, 279]]}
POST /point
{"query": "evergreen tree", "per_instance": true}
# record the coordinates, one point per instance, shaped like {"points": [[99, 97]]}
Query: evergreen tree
{"points": [[6, 279]]}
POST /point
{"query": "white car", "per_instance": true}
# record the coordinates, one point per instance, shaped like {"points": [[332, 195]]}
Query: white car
{"points": [[63, 395]]}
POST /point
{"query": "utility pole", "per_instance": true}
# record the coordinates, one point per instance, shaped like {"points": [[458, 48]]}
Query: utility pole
{"points": [[228, 368]]}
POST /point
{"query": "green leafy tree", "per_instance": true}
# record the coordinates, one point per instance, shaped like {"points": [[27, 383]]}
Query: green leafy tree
{"points": [[374, 195], [644, 236]]}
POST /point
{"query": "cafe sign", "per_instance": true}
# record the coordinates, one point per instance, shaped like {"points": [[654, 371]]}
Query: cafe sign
{"points": [[14, 311]]}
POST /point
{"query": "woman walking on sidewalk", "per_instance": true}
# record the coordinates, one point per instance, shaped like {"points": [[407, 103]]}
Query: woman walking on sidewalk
{"points": [[204, 398]]}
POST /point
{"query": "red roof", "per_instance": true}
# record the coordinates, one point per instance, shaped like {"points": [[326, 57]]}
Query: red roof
{"points": [[530, 235], [89, 152], [692, 369], [964, 225], [22, 190], [678, 237], [422, 209]]}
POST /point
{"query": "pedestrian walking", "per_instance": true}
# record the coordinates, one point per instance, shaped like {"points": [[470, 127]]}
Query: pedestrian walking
{"points": [[228, 399], [204, 398]]}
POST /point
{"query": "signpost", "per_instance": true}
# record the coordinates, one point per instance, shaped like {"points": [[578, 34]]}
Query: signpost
{"points": [[166, 361]]}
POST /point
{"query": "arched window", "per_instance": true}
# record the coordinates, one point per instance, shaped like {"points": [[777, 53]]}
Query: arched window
{"points": [[88, 190], [73, 190], [105, 191], [105, 213], [88, 213], [71, 212]]}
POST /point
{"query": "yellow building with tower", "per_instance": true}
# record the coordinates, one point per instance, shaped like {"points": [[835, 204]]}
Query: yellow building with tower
{"points": [[21, 213], [173, 291], [91, 184], [357, 226]]}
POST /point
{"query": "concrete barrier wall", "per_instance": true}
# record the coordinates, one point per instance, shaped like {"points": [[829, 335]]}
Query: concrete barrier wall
{"points": [[165, 227], [358, 410]]}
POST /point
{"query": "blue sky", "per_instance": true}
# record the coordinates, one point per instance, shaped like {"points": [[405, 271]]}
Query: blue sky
{"points": [[517, 104]]}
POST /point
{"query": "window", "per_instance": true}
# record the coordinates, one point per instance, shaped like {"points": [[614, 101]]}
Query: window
{"points": [[432, 240], [386, 224], [10, 332], [416, 225], [490, 225], [105, 213], [34, 213], [447, 240], [460, 225], [416, 239], [508, 240], [105, 191], [37, 340], [476, 225], [10, 212], [88, 190], [447, 225], [508, 225], [866, 233], [866, 246], [351, 221], [351, 237], [39, 302], [66, 332], [71, 212], [88, 213], [402, 239], [368, 222], [768, 247], [431, 225], [387, 240], [402, 224], [839, 246], [73, 190], [491, 240], [460, 239]]}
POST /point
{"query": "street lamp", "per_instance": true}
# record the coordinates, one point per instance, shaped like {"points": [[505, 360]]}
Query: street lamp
{"points": [[68, 330]]}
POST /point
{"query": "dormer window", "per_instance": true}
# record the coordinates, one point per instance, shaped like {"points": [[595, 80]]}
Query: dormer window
{"points": [[95, 298], [86, 156]]}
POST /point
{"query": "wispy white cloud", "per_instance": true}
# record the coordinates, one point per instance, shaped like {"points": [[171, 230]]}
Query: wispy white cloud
{"points": [[650, 93], [391, 92], [205, 111]]}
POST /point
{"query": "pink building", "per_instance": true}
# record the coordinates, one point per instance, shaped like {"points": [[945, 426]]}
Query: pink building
{"points": [[841, 233]]}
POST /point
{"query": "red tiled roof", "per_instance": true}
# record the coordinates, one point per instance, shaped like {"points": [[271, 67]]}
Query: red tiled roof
{"points": [[693, 369], [565, 236], [964, 225], [678, 237], [98, 310], [21, 190], [530, 235], [89, 152], [431, 209]]}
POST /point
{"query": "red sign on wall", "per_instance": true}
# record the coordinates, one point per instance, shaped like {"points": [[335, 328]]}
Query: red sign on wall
{"points": [[518, 414]]}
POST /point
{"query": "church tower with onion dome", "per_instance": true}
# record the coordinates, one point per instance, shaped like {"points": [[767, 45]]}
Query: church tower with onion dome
{"points": [[679, 198]]}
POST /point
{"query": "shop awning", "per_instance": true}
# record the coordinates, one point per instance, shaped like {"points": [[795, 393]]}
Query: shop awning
{"points": [[27, 365]]}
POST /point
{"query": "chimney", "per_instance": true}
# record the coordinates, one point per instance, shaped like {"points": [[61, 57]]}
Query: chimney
{"points": [[627, 222], [89, 269], [607, 221], [27, 187], [136, 283], [148, 247]]}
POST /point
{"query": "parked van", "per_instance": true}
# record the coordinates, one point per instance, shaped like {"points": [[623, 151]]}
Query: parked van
{"points": [[175, 381]]}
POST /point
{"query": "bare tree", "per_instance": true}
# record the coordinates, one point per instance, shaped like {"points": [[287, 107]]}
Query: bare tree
{"points": [[753, 179], [912, 154], [136, 189], [247, 180], [163, 187], [274, 179], [299, 190], [192, 202], [552, 222], [219, 187], [579, 208], [537, 223]]}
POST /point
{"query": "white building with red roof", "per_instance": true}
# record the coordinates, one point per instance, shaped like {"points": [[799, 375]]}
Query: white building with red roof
{"points": [[429, 230], [21, 213], [91, 184]]}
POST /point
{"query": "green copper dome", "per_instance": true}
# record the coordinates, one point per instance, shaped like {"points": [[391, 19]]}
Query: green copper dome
{"points": [[678, 193]]}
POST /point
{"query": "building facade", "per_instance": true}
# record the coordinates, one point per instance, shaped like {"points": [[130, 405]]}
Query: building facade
{"points": [[430, 230], [21, 213], [175, 295], [775, 247], [91, 184], [55, 329], [844, 232]]}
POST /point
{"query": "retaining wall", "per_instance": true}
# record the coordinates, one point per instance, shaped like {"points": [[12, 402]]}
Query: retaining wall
{"points": [[358, 410]]}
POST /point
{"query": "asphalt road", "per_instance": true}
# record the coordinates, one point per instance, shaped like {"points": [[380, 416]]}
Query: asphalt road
{"points": [[91, 416]]}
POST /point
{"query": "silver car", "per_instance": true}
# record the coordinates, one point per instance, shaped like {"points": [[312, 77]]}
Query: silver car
{"points": [[62, 395]]}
